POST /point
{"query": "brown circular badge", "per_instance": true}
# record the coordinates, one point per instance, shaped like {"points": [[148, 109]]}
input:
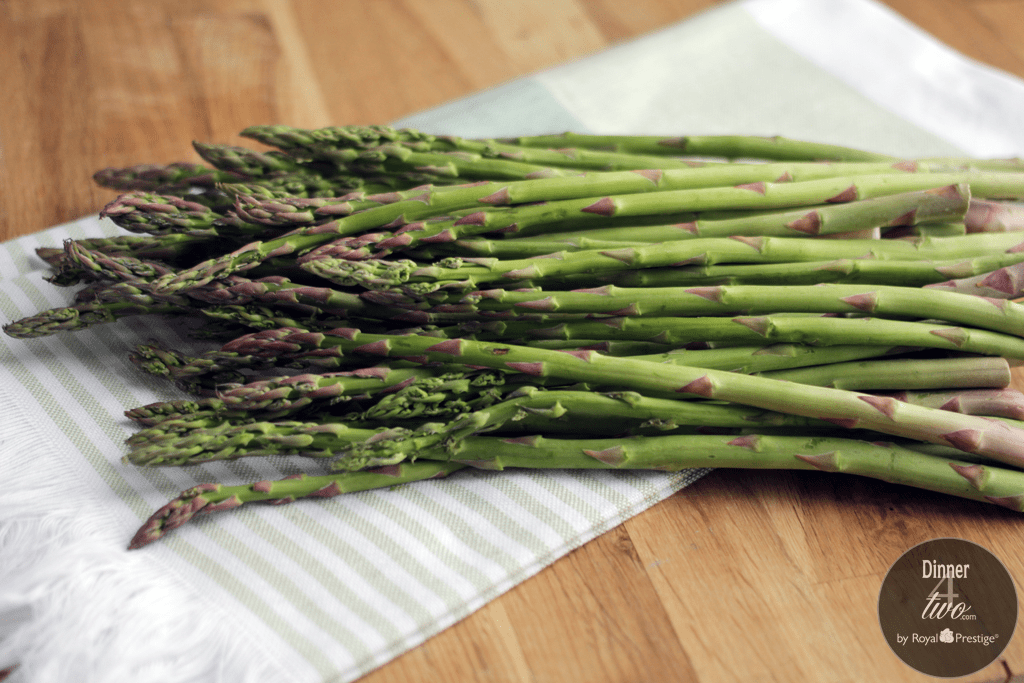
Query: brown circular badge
{"points": [[948, 607]]}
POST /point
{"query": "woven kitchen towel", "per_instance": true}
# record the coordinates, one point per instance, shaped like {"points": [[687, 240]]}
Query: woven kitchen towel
{"points": [[328, 590]]}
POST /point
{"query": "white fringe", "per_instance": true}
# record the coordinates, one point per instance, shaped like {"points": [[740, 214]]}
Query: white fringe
{"points": [[76, 606]]}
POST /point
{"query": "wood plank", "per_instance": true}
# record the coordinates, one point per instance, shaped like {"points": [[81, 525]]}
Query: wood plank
{"points": [[793, 561], [740, 597], [980, 30], [595, 614], [619, 21], [1004, 20]]}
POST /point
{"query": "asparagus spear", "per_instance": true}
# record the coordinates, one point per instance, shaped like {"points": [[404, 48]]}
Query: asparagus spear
{"points": [[98, 305], [117, 268], [363, 138], [997, 441], [847, 270], [763, 329], [899, 209], [206, 498], [727, 146], [1002, 283], [752, 359], [357, 442], [738, 147], [291, 394], [886, 462], [630, 223], [197, 374], [253, 164], [993, 216], [188, 434], [655, 190], [79, 317], [278, 397], [155, 214], [275, 211], [1005, 402], [345, 144], [172, 248], [878, 300], [588, 265], [351, 146], [903, 374], [164, 178], [734, 146]]}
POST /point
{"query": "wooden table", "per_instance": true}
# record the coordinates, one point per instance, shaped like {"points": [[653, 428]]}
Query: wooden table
{"points": [[744, 576]]}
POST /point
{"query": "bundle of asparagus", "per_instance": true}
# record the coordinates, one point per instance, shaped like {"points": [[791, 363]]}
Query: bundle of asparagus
{"points": [[402, 306]]}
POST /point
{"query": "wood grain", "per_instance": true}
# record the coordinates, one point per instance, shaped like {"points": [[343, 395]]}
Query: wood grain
{"points": [[743, 576]]}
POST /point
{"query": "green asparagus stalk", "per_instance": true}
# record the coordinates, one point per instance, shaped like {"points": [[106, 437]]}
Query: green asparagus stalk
{"points": [[948, 229], [1005, 402], [287, 395], [357, 442], [164, 178], [196, 374], [396, 160], [345, 142], [886, 462], [878, 460], [1003, 283], [297, 211], [765, 358], [79, 317], [347, 145], [610, 348], [899, 209], [737, 147], [97, 305], [206, 498], [847, 271], [587, 265], [254, 164], [312, 185], [147, 212], [877, 300], [763, 329], [731, 146], [432, 201], [174, 249], [629, 221], [338, 137], [997, 441], [906, 374], [117, 268], [279, 290], [197, 439], [726, 146], [994, 216], [279, 397]]}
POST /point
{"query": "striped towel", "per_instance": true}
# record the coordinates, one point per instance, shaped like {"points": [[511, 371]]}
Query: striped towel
{"points": [[328, 590]]}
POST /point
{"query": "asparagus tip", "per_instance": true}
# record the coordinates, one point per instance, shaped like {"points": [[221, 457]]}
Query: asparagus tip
{"points": [[172, 515]]}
